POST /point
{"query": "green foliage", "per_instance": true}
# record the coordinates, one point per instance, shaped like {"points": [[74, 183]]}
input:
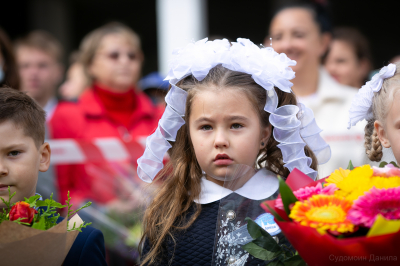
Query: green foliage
{"points": [[383, 164], [350, 166], [32, 200], [71, 213], [4, 212], [264, 247], [262, 237], [47, 216], [286, 194], [259, 252]]}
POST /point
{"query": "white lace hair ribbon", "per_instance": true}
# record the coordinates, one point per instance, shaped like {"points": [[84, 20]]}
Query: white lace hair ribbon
{"points": [[268, 69], [361, 106]]}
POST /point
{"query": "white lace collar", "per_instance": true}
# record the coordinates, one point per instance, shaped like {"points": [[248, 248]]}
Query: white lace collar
{"points": [[262, 185]]}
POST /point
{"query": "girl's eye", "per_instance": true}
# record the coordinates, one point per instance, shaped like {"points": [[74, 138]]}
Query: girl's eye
{"points": [[236, 126], [206, 127], [14, 153]]}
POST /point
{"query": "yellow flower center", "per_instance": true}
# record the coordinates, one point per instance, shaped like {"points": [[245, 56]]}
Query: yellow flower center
{"points": [[326, 214]]}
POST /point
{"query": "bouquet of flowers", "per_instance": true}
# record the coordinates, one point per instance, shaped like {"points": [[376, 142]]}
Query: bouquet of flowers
{"points": [[352, 217], [31, 225]]}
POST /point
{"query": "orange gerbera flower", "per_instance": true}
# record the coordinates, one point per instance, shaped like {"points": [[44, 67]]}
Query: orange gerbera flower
{"points": [[324, 212]]}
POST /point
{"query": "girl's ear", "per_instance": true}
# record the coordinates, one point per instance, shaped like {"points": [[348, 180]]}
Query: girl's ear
{"points": [[44, 153], [380, 130], [265, 135]]}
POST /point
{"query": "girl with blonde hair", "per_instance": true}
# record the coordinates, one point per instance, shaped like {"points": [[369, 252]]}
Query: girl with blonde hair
{"points": [[375, 102], [229, 104]]}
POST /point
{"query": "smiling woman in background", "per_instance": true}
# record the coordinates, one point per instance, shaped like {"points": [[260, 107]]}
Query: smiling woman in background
{"points": [[349, 58], [302, 32]]}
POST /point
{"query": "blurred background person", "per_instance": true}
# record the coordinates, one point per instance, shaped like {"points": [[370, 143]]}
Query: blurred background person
{"points": [[302, 32], [112, 107], [8, 67], [76, 80], [349, 58], [39, 57], [154, 86]]}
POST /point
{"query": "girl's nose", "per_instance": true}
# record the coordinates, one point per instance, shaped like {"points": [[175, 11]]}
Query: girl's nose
{"points": [[221, 140]]}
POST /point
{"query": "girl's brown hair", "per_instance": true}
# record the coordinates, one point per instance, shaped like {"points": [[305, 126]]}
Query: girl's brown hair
{"points": [[166, 213], [10, 67], [381, 104]]}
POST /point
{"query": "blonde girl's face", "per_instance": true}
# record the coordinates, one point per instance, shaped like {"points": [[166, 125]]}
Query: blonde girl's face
{"points": [[225, 130], [117, 63], [389, 132], [295, 33]]}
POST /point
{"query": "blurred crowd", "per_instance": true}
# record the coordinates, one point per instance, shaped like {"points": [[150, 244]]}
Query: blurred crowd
{"points": [[102, 94]]}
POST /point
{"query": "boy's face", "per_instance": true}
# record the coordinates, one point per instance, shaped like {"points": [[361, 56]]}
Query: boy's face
{"points": [[40, 73], [20, 162]]}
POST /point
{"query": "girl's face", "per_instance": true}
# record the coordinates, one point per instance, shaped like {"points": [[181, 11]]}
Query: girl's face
{"points": [[117, 63], [295, 33], [225, 129], [389, 133], [344, 66]]}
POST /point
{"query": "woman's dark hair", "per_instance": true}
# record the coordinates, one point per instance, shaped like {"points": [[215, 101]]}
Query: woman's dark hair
{"points": [[319, 10], [10, 68], [356, 40]]}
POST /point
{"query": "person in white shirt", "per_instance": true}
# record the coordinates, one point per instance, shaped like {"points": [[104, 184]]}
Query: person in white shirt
{"points": [[302, 32]]}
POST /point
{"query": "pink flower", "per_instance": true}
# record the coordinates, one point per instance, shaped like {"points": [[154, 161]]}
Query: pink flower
{"points": [[303, 194], [388, 170], [376, 201]]}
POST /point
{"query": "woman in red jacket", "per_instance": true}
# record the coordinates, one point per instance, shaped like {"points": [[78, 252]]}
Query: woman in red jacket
{"points": [[111, 107]]}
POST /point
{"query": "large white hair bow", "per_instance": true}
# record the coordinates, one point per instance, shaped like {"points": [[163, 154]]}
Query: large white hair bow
{"points": [[294, 126], [361, 106]]}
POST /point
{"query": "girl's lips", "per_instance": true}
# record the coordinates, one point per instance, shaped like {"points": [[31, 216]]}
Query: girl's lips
{"points": [[223, 161]]}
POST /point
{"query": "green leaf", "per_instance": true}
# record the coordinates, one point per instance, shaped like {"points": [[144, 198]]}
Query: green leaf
{"points": [[382, 164], [32, 200], [254, 229], [262, 237], [259, 252], [268, 243], [287, 195], [18, 221], [49, 203], [41, 224], [275, 214], [394, 164], [294, 261], [350, 166]]}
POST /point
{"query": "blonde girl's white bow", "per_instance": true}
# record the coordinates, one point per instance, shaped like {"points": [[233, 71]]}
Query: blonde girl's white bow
{"points": [[361, 106]]}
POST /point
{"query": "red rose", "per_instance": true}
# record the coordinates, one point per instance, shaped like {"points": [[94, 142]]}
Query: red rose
{"points": [[22, 210]]}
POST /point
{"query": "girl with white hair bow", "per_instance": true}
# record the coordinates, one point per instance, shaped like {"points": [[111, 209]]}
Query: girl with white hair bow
{"points": [[228, 104]]}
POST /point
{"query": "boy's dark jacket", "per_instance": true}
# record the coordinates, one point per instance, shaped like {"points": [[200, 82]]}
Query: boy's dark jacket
{"points": [[87, 249]]}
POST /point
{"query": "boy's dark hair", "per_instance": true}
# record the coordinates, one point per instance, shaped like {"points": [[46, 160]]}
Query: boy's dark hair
{"points": [[24, 112]]}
